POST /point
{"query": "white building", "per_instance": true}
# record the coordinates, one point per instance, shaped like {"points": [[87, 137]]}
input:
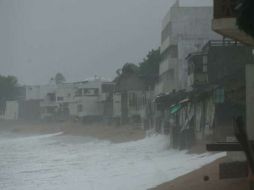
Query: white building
{"points": [[78, 99], [11, 110], [87, 100], [131, 105], [117, 105], [39, 92], [184, 30]]}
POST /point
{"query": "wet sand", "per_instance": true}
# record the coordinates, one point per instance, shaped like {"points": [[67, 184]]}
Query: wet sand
{"points": [[115, 134]]}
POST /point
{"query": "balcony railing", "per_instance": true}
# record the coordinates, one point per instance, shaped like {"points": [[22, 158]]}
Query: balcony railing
{"points": [[227, 8]]}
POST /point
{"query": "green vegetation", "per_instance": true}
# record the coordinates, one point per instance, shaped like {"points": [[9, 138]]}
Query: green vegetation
{"points": [[59, 78], [245, 20], [8, 89], [148, 69], [8, 86]]}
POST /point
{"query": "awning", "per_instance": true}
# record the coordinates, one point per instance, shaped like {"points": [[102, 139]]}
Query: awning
{"points": [[166, 100], [175, 108]]}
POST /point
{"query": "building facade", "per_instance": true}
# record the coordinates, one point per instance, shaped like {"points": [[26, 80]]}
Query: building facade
{"points": [[184, 30]]}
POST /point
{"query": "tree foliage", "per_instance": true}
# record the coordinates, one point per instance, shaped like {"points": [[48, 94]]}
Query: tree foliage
{"points": [[59, 78], [130, 68], [245, 20], [148, 69], [8, 88]]}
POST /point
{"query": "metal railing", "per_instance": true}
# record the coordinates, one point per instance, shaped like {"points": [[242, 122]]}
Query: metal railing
{"points": [[227, 8], [220, 43]]}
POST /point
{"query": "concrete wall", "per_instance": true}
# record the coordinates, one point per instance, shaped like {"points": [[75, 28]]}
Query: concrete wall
{"points": [[250, 100], [188, 29], [86, 106], [38, 92], [11, 110], [117, 105], [29, 110], [65, 93]]}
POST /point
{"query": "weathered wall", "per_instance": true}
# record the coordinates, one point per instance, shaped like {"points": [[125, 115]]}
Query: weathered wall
{"points": [[250, 100], [11, 110], [188, 29]]}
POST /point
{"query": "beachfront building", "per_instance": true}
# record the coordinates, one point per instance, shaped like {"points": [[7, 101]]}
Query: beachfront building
{"points": [[214, 97], [228, 15], [131, 100], [225, 23], [79, 100], [184, 30], [92, 100]]}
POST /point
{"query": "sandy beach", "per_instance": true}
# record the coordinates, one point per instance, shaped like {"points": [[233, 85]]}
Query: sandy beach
{"points": [[115, 134]]}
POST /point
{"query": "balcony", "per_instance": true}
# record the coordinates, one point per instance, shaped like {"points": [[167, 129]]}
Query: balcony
{"points": [[224, 22]]}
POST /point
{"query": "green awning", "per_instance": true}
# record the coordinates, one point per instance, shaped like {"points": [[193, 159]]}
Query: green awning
{"points": [[175, 108]]}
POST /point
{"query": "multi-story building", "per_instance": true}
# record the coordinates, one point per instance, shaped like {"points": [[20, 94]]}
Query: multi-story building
{"points": [[92, 99], [215, 94], [219, 71], [184, 30], [131, 99], [77, 100], [224, 22]]}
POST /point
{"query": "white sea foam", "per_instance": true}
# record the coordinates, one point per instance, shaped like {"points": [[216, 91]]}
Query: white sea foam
{"points": [[51, 162]]}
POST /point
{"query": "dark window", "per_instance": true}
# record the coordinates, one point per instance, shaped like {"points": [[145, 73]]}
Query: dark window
{"points": [[107, 88], [80, 108], [219, 95], [60, 98], [78, 92], [51, 97], [198, 67], [86, 91], [205, 63]]}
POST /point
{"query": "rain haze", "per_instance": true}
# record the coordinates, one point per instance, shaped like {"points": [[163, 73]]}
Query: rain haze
{"points": [[126, 94], [79, 38]]}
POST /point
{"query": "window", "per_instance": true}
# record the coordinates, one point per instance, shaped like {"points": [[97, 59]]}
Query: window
{"points": [[60, 98], [132, 99], [80, 108], [219, 95], [86, 91], [91, 91], [78, 92], [51, 97], [96, 91], [205, 63]]}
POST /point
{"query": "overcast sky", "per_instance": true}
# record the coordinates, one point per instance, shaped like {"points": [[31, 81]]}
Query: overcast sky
{"points": [[80, 38]]}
